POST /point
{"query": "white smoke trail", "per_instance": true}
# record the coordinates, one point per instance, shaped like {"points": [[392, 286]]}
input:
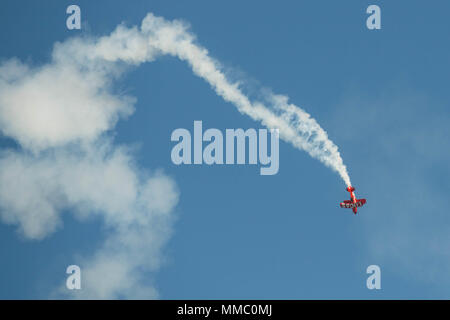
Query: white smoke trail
{"points": [[158, 36], [60, 115], [295, 125]]}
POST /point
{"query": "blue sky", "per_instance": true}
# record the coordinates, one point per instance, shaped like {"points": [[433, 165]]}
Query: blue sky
{"points": [[381, 96]]}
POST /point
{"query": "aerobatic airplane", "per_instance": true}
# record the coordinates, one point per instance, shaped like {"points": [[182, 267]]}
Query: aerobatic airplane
{"points": [[353, 202]]}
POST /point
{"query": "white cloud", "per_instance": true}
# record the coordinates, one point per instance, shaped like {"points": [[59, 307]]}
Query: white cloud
{"points": [[60, 114], [137, 211], [56, 104]]}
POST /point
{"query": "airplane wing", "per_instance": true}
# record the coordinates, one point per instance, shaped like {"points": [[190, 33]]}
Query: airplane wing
{"points": [[361, 201], [350, 204], [347, 204]]}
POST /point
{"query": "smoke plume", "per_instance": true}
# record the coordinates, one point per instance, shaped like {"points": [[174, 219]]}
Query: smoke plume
{"points": [[61, 116]]}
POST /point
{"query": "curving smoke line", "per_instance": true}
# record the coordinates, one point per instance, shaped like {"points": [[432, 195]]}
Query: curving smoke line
{"points": [[158, 36], [295, 125], [61, 113]]}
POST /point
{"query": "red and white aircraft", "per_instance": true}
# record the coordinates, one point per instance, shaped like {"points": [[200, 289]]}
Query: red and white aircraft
{"points": [[353, 202]]}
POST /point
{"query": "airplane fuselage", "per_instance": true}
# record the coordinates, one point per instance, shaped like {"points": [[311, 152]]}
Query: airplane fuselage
{"points": [[353, 203]]}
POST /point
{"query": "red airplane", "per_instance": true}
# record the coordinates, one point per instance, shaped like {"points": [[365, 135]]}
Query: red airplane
{"points": [[353, 202]]}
